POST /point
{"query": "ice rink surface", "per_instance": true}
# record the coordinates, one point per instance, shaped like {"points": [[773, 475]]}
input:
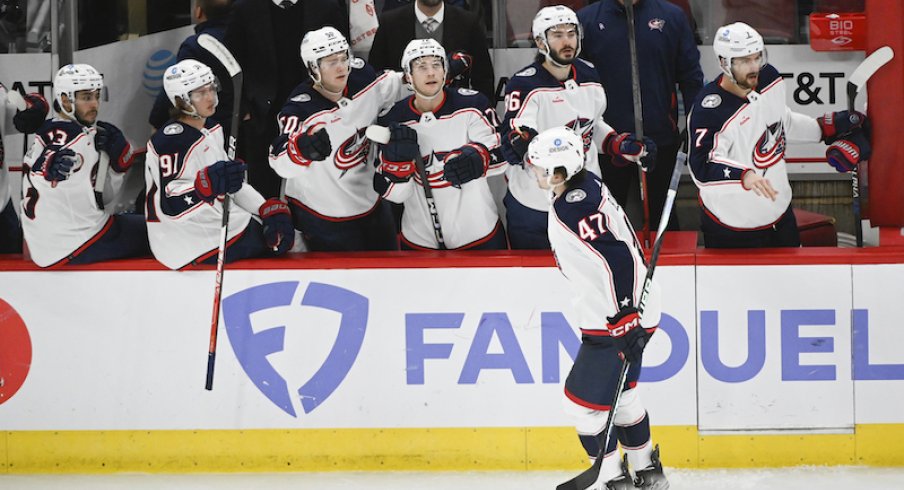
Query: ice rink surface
{"points": [[799, 478]]}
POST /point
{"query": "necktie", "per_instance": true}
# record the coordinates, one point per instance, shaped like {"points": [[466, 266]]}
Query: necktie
{"points": [[430, 25]]}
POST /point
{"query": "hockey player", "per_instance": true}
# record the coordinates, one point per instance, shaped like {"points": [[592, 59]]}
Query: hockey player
{"points": [[597, 252], [26, 121], [323, 153], [738, 128], [188, 172], [447, 131], [558, 89], [61, 219]]}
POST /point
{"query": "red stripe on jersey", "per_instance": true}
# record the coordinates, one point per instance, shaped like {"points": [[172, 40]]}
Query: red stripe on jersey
{"points": [[85, 245], [584, 403], [299, 204]]}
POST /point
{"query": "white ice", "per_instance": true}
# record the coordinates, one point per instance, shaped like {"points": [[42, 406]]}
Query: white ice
{"points": [[799, 478]]}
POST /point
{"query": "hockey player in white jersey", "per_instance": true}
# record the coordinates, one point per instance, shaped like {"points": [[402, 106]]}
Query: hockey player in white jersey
{"points": [[322, 151], [446, 130], [558, 89], [739, 128], [187, 173], [62, 220], [597, 251]]}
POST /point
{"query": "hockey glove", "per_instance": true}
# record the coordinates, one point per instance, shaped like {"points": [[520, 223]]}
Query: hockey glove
{"points": [[836, 125], [845, 154], [279, 233], [58, 163], [625, 149], [466, 164], [629, 336], [223, 177], [305, 147], [36, 109], [459, 66], [109, 139], [520, 138], [397, 157]]}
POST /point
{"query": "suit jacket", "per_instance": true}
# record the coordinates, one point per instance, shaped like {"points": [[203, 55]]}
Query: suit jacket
{"points": [[250, 38], [461, 32]]}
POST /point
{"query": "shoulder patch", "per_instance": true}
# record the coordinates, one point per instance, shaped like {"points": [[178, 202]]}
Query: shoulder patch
{"points": [[527, 72], [711, 101], [173, 129], [356, 63], [591, 65], [301, 98], [467, 91], [575, 195]]}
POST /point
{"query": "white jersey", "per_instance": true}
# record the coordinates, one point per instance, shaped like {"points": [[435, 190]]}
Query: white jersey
{"points": [[534, 98], [467, 215], [731, 135], [62, 218], [340, 187], [597, 251], [181, 227]]}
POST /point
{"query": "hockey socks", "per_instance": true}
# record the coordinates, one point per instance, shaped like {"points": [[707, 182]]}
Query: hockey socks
{"points": [[635, 440]]}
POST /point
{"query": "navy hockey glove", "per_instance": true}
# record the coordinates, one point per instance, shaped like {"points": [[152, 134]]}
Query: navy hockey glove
{"points": [[466, 164], [837, 125], [629, 336], [398, 156], [279, 233], [625, 149], [844, 154], [109, 139], [223, 177], [58, 163], [520, 138], [459, 65], [305, 147], [36, 109]]}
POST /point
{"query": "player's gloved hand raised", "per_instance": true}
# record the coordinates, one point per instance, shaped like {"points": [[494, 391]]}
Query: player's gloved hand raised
{"points": [[58, 163], [520, 138], [305, 147], [223, 177], [836, 125], [844, 154], [279, 233], [397, 157], [466, 164], [110, 140], [629, 336], [459, 65], [626, 148], [35, 113]]}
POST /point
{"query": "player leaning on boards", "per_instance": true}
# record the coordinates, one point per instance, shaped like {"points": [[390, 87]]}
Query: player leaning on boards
{"points": [[188, 172], [62, 220], [448, 133], [738, 128], [597, 251], [557, 89]]}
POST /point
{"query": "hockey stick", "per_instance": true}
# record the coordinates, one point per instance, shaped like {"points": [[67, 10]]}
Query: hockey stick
{"points": [[103, 165], [856, 82], [638, 118], [222, 55], [590, 475], [380, 134]]}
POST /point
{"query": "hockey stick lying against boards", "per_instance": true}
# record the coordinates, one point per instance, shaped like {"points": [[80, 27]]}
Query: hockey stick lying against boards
{"points": [[380, 134], [590, 475], [856, 82], [638, 120], [223, 55]]}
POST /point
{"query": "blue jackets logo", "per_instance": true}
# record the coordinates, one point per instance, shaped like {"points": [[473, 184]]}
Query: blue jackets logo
{"points": [[252, 347]]}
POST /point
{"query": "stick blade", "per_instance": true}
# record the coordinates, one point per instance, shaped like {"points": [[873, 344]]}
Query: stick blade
{"points": [[870, 65], [222, 54], [378, 134], [585, 479]]}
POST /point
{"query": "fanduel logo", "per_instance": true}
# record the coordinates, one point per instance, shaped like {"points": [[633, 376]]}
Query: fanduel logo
{"points": [[252, 348]]}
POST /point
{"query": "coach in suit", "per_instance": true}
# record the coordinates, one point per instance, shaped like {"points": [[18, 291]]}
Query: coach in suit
{"points": [[265, 38], [455, 28]]}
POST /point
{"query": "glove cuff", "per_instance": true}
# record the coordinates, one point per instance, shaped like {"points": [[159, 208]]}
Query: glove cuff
{"points": [[293, 151]]}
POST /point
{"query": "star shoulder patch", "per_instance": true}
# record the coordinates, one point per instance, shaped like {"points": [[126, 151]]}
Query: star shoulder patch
{"points": [[528, 72], [357, 63], [301, 98], [467, 91], [711, 101], [173, 129], [575, 195]]}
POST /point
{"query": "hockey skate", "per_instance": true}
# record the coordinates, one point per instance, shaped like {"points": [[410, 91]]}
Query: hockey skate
{"points": [[652, 477], [623, 481]]}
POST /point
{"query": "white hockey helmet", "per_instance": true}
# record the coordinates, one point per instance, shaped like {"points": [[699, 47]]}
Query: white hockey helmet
{"points": [[737, 41], [418, 48], [75, 78], [319, 44], [549, 17], [557, 147], [180, 79]]}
